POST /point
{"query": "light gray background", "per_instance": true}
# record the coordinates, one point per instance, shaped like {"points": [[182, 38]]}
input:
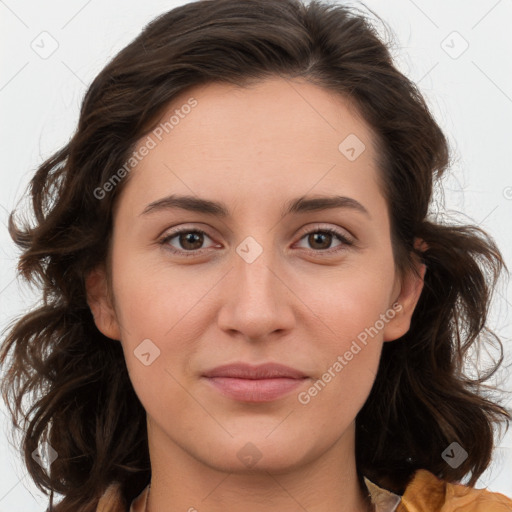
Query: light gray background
{"points": [[469, 92]]}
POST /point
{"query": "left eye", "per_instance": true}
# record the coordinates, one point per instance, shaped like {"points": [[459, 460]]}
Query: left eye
{"points": [[324, 237]]}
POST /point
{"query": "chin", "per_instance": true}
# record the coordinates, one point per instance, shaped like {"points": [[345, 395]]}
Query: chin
{"points": [[257, 455]]}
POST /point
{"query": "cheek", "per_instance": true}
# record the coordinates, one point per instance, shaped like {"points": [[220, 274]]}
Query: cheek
{"points": [[346, 381], [150, 309], [354, 308], [152, 297], [352, 299], [349, 351]]}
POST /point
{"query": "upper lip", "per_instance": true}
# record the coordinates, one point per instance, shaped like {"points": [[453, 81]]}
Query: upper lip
{"points": [[248, 371]]}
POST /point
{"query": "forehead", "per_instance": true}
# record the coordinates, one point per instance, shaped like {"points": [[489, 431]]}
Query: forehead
{"points": [[290, 135], [296, 110]]}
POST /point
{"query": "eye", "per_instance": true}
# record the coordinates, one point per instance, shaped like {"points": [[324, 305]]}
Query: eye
{"points": [[321, 239], [189, 241]]}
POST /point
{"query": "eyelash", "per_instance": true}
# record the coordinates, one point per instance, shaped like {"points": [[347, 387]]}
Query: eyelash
{"points": [[345, 241]]}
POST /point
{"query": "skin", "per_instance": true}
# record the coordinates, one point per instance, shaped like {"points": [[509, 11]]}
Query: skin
{"points": [[299, 303]]}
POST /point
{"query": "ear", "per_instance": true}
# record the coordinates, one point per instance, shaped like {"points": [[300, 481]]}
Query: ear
{"points": [[100, 303], [409, 288]]}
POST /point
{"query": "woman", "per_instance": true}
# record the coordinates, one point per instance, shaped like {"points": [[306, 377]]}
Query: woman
{"points": [[245, 301]]}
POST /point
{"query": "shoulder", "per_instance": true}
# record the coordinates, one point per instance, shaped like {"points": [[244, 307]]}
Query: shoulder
{"points": [[427, 493], [112, 500], [424, 493]]}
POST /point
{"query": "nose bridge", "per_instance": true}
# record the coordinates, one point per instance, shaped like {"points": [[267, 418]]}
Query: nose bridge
{"points": [[256, 300], [253, 264]]}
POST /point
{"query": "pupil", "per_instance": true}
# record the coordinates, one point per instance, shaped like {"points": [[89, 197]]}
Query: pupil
{"points": [[188, 238], [318, 237]]}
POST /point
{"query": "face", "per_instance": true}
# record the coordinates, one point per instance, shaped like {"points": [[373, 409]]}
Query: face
{"points": [[259, 277]]}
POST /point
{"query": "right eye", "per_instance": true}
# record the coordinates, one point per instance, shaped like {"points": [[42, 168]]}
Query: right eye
{"points": [[190, 241]]}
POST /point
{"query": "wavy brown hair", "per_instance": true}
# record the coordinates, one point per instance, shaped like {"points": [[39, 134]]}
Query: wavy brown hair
{"points": [[74, 379]]}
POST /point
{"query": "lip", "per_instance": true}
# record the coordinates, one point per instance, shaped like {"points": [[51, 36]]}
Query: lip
{"points": [[261, 371], [248, 383]]}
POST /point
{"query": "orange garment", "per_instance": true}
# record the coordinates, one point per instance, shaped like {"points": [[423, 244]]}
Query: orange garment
{"points": [[425, 493]]}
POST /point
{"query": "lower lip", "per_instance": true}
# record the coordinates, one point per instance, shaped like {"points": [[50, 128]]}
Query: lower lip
{"points": [[255, 390]]}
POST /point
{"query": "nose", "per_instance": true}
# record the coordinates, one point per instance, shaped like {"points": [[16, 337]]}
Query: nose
{"points": [[257, 298]]}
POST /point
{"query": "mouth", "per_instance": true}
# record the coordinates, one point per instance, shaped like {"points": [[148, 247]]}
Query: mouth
{"points": [[247, 383]]}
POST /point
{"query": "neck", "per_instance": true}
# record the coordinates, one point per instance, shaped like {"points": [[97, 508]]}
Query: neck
{"points": [[182, 482]]}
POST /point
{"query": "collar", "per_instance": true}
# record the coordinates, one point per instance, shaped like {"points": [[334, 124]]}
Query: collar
{"points": [[382, 499]]}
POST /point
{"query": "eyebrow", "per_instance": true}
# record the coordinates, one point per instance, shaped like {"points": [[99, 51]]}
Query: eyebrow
{"points": [[301, 204]]}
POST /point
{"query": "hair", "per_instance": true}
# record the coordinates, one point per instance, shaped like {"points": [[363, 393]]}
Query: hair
{"points": [[75, 379]]}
